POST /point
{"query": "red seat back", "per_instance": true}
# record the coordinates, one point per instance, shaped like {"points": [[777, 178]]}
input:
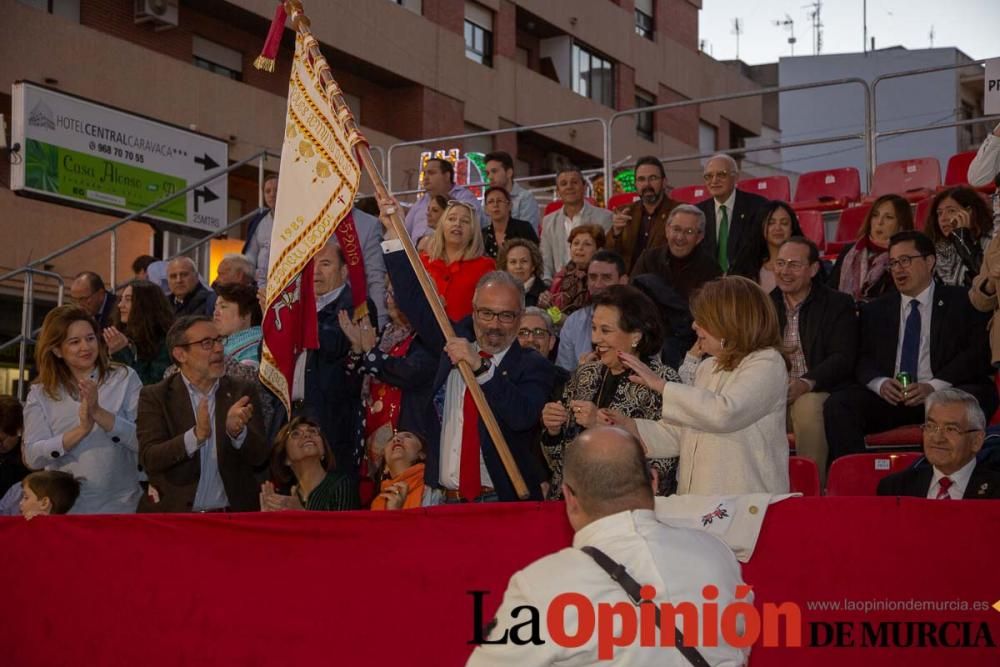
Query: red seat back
{"points": [[859, 474], [812, 226], [690, 194], [920, 212], [957, 172], [843, 184], [851, 220], [622, 199], [803, 476], [769, 187], [903, 176]]}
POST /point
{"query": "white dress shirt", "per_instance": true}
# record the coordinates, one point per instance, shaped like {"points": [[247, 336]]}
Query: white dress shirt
{"points": [[454, 418], [959, 481], [105, 462], [924, 372]]}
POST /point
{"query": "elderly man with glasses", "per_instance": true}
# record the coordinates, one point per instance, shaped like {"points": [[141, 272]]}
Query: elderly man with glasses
{"points": [[200, 431], [923, 338], [953, 436], [462, 460], [729, 212], [88, 292]]}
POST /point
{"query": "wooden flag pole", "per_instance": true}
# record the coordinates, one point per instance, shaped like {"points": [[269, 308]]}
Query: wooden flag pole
{"points": [[300, 22]]}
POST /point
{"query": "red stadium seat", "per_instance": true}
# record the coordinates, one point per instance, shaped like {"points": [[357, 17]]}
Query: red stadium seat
{"points": [[920, 212], [957, 172], [803, 476], [812, 226], [768, 187], [859, 474], [913, 179], [996, 415], [897, 438], [690, 194], [552, 206], [827, 190], [851, 221], [622, 199]]}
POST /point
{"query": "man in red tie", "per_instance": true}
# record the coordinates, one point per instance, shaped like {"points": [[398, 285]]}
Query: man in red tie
{"points": [[462, 461], [953, 436]]}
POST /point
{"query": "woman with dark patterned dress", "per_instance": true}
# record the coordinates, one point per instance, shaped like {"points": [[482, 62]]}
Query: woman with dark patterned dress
{"points": [[625, 320], [502, 227]]}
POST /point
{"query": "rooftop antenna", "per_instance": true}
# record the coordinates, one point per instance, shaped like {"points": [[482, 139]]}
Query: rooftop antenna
{"points": [[737, 30], [817, 25], [788, 24], [932, 37]]}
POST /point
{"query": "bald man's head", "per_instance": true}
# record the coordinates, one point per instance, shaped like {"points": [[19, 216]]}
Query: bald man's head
{"points": [[605, 470], [182, 276]]}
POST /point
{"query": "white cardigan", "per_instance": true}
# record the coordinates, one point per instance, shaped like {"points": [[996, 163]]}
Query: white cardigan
{"points": [[728, 429]]}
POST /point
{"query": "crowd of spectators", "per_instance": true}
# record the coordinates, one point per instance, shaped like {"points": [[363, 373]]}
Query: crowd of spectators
{"points": [[709, 332]]}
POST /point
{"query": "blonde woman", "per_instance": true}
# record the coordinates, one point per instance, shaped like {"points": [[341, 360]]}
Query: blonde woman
{"points": [[729, 427], [455, 260]]}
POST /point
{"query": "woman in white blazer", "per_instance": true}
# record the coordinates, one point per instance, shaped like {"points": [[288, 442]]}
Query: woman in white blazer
{"points": [[729, 427]]}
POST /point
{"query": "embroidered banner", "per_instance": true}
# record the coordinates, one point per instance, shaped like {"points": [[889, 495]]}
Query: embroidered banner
{"points": [[317, 183]]}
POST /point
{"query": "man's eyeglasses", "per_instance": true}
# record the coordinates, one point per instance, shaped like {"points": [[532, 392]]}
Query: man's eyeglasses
{"points": [[950, 430], [792, 264], [649, 179], [712, 175], [534, 333], [505, 316], [903, 261], [674, 229], [207, 343]]}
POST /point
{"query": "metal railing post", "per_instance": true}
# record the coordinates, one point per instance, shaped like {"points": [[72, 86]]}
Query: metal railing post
{"points": [[27, 316], [114, 256]]}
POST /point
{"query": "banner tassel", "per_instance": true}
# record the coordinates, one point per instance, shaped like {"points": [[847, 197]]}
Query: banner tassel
{"points": [[269, 54]]}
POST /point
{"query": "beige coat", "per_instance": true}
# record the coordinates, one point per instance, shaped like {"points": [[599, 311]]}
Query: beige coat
{"points": [[988, 303], [728, 429]]}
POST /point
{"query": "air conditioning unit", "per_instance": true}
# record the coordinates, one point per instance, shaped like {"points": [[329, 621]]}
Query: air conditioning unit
{"points": [[161, 13]]}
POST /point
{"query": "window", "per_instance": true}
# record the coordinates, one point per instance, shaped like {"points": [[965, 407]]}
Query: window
{"points": [[478, 34], [644, 18], [68, 9], [644, 121], [707, 138], [218, 58], [593, 76]]}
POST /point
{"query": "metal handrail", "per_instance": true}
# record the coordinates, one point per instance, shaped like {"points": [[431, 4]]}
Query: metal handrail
{"points": [[866, 135], [491, 133], [873, 101], [27, 317], [129, 218], [219, 232]]}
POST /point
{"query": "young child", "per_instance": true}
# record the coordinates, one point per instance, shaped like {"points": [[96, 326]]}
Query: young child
{"points": [[48, 492]]}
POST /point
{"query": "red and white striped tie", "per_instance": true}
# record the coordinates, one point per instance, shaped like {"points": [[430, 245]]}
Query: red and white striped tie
{"points": [[945, 483]]}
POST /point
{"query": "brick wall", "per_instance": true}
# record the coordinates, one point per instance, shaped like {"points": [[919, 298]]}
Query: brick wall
{"points": [[682, 123], [678, 20], [448, 14]]}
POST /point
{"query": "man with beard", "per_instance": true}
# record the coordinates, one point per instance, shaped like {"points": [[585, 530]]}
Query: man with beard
{"points": [[200, 431], [462, 460], [642, 224]]}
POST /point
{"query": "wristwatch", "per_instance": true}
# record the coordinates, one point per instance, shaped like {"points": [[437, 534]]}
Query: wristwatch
{"points": [[483, 368]]}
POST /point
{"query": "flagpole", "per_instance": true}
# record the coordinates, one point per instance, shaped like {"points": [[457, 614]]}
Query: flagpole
{"points": [[301, 23]]}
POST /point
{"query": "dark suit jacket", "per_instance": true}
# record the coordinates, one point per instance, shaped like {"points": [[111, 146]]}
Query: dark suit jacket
{"points": [[197, 302], [984, 484], [518, 390], [106, 317], [165, 414], [624, 245], [959, 351], [828, 332], [332, 396], [740, 223]]}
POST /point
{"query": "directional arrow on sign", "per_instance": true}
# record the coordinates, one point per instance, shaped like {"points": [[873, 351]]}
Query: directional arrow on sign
{"points": [[203, 193], [207, 162]]}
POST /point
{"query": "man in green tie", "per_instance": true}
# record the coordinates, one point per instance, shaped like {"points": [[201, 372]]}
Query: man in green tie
{"points": [[729, 213]]}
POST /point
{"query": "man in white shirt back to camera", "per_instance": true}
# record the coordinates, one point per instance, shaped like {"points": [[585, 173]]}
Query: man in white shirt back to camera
{"points": [[609, 503]]}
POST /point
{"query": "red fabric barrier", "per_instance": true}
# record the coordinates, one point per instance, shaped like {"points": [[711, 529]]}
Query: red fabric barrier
{"points": [[350, 588]]}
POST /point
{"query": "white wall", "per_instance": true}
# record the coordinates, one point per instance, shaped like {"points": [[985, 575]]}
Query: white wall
{"points": [[924, 99]]}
